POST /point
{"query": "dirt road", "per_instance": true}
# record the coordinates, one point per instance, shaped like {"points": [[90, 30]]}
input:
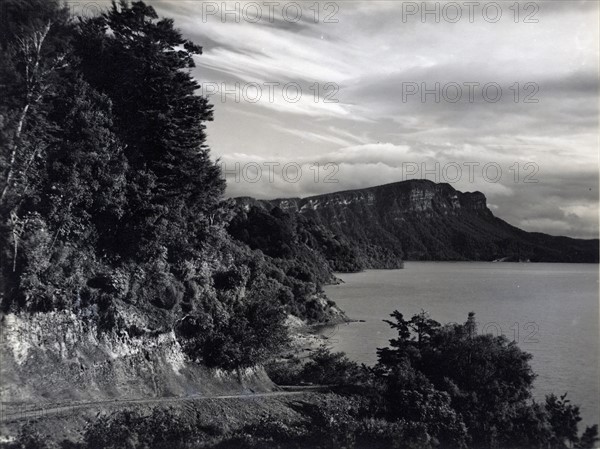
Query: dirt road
{"points": [[19, 412]]}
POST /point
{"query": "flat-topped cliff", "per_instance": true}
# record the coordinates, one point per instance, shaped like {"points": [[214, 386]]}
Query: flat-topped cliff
{"points": [[422, 220]]}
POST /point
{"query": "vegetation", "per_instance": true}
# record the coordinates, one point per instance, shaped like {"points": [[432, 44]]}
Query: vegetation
{"points": [[435, 386], [483, 383], [443, 386], [109, 198], [309, 251], [322, 367]]}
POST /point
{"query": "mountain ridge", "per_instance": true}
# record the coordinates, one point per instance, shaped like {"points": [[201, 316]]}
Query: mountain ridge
{"points": [[423, 220]]}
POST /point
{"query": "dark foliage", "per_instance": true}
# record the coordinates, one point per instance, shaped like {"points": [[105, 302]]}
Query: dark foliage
{"points": [[484, 381], [173, 187], [322, 367], [437, 385], [308, 252], [162, 429], [245, 334], [109, 198]]}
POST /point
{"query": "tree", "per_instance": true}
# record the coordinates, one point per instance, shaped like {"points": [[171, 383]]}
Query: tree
{"points": [[33, 51], [426, 413], [471, 325], [563, 417], [142, 64], [589, 438], [400, 348], [77, 202], [85, 172], [34, 55], [423, 326], [327, 368], [241, 334], [487, 379]]}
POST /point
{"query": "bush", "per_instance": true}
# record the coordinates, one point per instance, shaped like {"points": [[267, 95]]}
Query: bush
{"points": [[473, 389], [285, 372], [242, 334], [29, 438], [322, 367], [327, 368], [162, 429]]}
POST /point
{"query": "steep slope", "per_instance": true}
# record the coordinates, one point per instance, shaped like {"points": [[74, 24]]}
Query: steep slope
{"points": [[422, 220], [62, 357]]}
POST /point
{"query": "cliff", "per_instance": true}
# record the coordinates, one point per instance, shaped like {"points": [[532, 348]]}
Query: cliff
{"points": [[422, 220], [60, 357]]}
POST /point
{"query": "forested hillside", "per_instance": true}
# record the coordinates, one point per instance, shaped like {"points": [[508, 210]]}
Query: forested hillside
{"points": [[286, 235], [125, 275], [111, 207]]}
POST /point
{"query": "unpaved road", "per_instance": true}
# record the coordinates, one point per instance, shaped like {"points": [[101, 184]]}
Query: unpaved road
{"points": [[11, 413]]}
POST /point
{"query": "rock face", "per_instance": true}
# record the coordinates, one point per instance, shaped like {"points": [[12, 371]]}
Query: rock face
{"points": [[402, 197], [61, 357], [422, 220]]}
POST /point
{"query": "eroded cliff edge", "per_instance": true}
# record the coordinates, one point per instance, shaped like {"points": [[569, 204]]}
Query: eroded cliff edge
{"points": [[422, 220]]}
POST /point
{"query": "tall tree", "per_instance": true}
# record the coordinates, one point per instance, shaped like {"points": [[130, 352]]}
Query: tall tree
{"points": [[34, 46], [143, 64], [33, 49]]}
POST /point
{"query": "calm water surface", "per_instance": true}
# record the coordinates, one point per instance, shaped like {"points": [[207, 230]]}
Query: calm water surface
{"points": [[551, 310]]}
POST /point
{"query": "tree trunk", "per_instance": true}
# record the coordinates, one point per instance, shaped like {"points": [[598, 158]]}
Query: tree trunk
{"points": [[13, 154], [33, 79]]}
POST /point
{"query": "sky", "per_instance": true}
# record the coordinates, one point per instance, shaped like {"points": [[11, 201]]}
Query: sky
{"points": [[315, 97]]}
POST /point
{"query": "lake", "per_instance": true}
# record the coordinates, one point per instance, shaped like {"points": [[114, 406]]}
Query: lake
{"points": [[551, 310]]}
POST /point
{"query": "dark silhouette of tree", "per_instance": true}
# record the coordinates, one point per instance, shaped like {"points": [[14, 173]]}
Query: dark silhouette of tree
{"points": [[589, 438], [563, 417], [143, 64], [487, 381]]}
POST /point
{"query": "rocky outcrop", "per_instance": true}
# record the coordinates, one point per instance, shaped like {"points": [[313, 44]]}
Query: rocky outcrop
{"points": [[408, 196], [61, 356], [422, 220]]}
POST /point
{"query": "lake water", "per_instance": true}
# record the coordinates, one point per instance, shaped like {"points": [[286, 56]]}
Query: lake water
{"points": [[551, 310]]}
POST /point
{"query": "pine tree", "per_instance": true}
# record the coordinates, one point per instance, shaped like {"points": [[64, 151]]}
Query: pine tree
{"points": [[174, 188]]}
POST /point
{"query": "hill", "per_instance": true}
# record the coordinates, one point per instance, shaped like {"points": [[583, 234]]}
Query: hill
{"points": [[422, 220]]}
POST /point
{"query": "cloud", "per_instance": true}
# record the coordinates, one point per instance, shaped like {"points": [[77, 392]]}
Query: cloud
{"points": [[371, 131]]}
